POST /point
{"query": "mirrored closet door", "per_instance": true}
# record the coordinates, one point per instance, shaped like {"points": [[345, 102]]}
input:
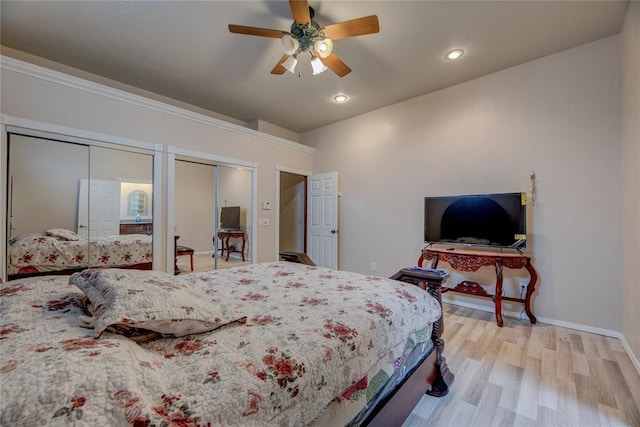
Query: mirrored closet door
{"points": [[212, 215], [74, 204], [234, 216]]}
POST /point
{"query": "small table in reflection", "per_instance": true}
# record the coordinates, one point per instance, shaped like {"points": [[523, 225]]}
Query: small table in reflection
{"points": [[224, 235]]}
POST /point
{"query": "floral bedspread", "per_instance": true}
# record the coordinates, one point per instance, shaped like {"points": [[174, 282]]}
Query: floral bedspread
{"points": [[31, 253], [312, 336]]}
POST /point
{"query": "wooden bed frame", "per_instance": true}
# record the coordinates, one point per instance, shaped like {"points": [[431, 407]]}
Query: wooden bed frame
{"points": [[70, 271], [432, 376]]}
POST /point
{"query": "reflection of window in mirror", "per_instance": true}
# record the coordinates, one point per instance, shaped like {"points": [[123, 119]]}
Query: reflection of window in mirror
{"points": [[137, 204]]}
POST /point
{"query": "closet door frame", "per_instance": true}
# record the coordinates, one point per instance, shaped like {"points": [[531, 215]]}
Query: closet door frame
{"points": [[171, 155], [10, 124]]}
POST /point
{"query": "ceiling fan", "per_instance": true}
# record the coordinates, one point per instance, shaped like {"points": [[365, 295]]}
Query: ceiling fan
{"points": [[307, 36]]}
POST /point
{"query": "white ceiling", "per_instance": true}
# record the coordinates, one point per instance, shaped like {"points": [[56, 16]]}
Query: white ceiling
{"points": [[183, 50]]}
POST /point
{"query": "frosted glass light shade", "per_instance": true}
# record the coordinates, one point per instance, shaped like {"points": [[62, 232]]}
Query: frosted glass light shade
{"points": [[323, 48], [317, 65], [289, 44], [290, 64]]}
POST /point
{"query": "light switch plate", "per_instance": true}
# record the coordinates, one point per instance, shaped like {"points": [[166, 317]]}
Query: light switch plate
{"points": [[266, 205]]}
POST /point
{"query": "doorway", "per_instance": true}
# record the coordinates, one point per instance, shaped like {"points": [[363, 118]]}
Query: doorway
{"points": [[313, 228], [292, 221]]}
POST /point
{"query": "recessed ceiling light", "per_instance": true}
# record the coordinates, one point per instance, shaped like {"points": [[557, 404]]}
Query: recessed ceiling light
{"points": [[340, 98], [454, 54]]}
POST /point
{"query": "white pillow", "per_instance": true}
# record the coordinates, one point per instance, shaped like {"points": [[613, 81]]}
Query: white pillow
{"points": [[151, 300], [62, 234]]}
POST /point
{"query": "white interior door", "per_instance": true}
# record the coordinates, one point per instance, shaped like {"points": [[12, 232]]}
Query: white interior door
{"points": [[322, 233], [102, 218]]}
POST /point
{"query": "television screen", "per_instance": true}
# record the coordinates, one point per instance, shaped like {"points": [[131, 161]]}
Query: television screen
{"points": [[496, 220], [230, 217]]}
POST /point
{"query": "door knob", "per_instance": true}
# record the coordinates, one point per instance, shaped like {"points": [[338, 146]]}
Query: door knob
{"points": [[334, 231]]}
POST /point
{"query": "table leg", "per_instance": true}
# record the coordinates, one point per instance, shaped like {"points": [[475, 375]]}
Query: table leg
{"points": [[531, 287], [243, 242], [227, 245], [434, 263], [498, 295]]}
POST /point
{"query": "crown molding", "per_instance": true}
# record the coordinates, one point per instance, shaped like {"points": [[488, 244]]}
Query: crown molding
{"points": [[36, 71]]}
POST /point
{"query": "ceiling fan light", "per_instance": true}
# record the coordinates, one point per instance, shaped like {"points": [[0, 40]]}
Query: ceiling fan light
{"points": [[318, 66], [323, 48], [289, 44], [290, 64]]}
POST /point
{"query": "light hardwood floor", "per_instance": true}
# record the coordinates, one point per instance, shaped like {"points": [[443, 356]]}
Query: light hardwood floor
{"points": [[520, 374], [530, 375], [204, 262]]}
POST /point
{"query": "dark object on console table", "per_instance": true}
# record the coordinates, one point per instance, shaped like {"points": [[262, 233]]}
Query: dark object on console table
{"points": [[433, 371], [470, 261]]}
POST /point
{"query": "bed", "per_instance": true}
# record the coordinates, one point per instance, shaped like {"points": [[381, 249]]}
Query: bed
{"points": [[278, 344], [60, 251]]}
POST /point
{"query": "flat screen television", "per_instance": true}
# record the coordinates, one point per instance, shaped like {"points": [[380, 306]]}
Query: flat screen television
{"points": [[492, 220], [230, 217]]}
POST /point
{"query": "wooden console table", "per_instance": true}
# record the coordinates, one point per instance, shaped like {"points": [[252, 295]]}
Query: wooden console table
{"points": [[224, 236], [470, 261]]}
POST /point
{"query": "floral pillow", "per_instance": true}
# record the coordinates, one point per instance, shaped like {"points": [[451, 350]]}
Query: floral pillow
{"points": [[62, 234], [149, 300]]}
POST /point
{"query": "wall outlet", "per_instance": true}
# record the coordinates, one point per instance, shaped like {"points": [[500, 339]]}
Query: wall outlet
{"points": [[373, 266], [263, 221], [266, 205]]}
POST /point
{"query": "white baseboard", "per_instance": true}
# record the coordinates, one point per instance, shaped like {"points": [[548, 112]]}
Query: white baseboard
{"points": [[554, 322], [632, 356]]}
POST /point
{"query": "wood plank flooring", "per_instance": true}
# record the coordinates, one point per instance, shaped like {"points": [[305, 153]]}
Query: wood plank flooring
{"points": [[204, 262], [530, 375], [520, 374]]}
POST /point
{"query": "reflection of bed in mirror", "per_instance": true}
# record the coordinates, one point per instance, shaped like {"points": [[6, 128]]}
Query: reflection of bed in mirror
{"points": [[64, 252], [94, 188]]}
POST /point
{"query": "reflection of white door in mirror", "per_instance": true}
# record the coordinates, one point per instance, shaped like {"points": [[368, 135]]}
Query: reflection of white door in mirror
{"points": [[103, 216]]}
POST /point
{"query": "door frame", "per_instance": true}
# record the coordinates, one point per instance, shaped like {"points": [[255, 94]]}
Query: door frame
{"points": [[286, 169]]}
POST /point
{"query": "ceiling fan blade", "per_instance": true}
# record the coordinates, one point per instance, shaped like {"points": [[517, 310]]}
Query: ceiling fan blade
{"points": [[336, 65], [300, 11], [279, 69], [352, 28], [255, 31]]}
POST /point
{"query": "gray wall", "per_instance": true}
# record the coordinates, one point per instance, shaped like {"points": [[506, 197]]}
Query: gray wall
{"points": [[558, 116]]}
